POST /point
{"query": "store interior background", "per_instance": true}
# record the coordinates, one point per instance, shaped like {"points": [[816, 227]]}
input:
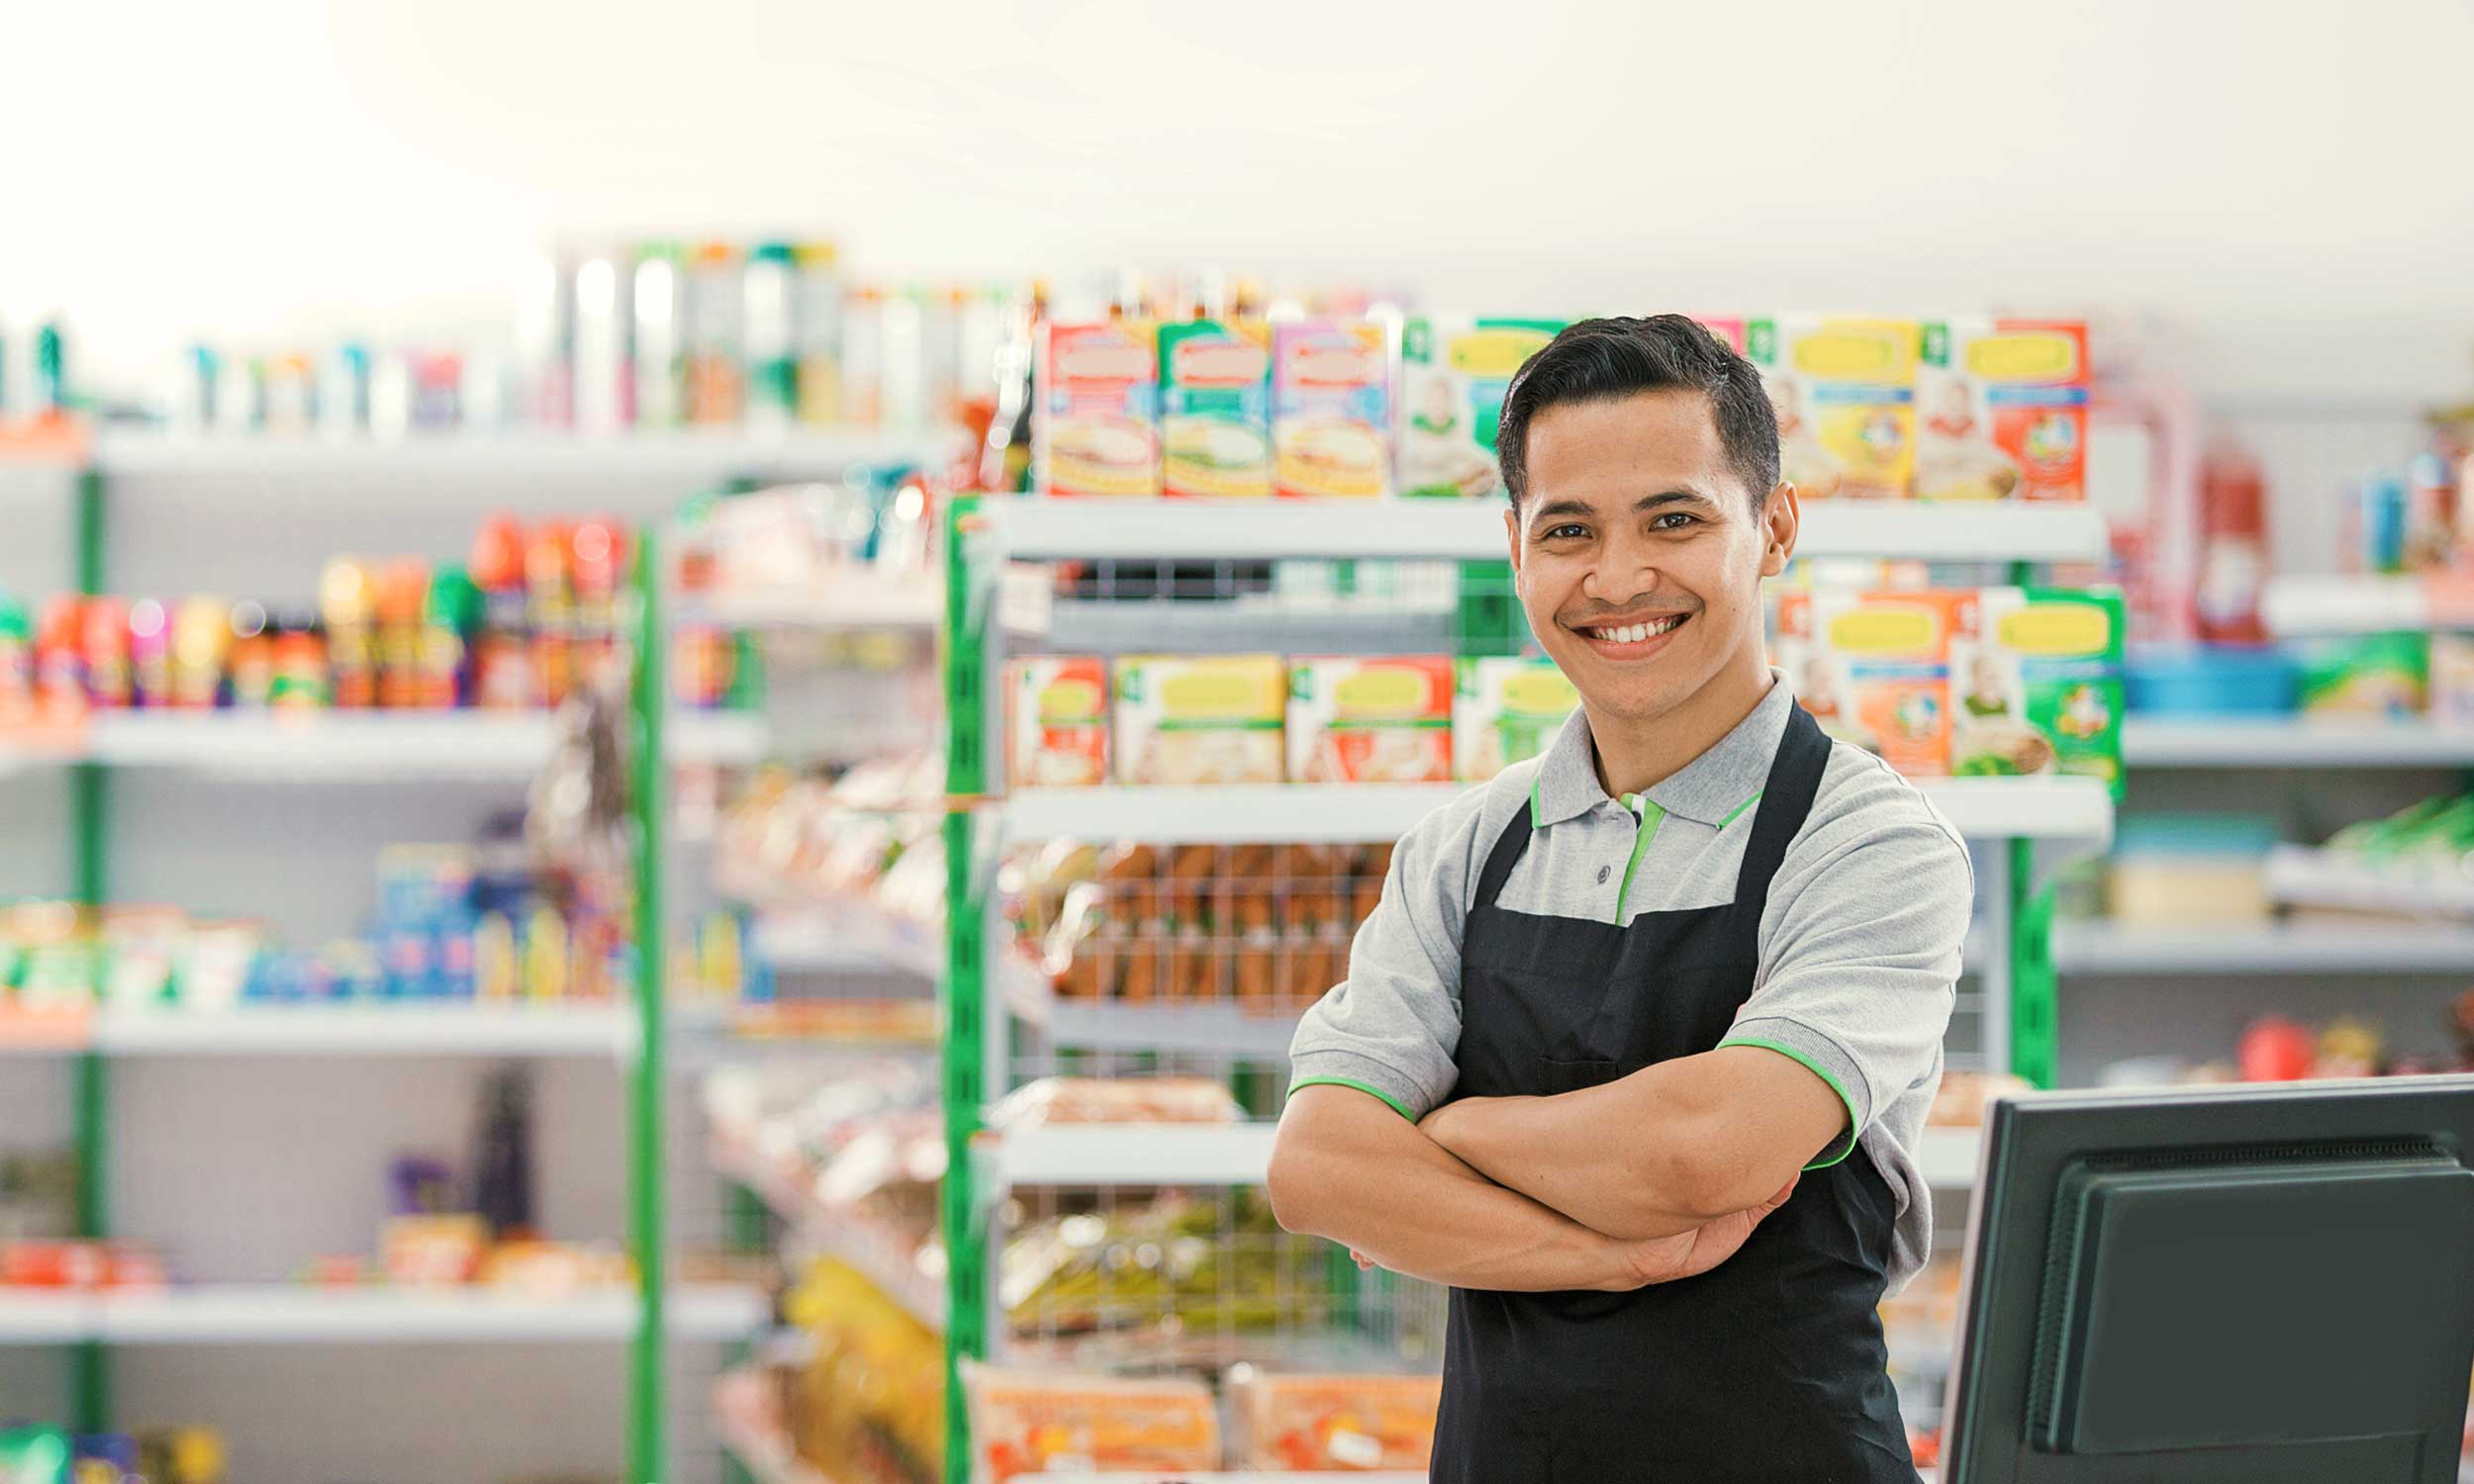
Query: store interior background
{"points": [[2269, 198]]}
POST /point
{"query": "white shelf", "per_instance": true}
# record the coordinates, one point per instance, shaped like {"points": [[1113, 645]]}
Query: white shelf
{"points": [[2262, 947], [846, 602], [1040, 529], [2321, 604], [1219, 1029], [288, 1314], [2299, 876], [684, 456], [348, 746], [2294, 742], [1130, 1154], [2077, 809], [847, 936], [387, 1029]]}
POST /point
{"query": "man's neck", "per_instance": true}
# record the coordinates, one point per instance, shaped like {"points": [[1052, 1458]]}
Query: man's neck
{"points": [[1634, 756]]}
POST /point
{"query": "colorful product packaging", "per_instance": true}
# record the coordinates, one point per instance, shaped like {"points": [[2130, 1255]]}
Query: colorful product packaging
{"points": [[1318, 1424], [1331, 409], [1873, 669], [1026, 1421], [1453, 373], [2036, 685], [2001, 409], [1097, 429], [2363, 675], [1355, 720], [1215, 408], [2452, 679], [1845, 390], [1505, 709], [1728, 330], [1057, 716], [1201, 720]]}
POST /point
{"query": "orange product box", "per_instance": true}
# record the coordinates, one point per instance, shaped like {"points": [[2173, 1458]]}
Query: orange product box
{"points": [[1873, 667], [1314, 1423], [2001, 409], [1361, 720], [1027, 1423], [1096, 428], [1057, 721]]}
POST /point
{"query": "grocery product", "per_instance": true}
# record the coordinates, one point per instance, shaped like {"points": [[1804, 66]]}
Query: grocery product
{"points": [[1331, 411], [2451, 691], [1356, 719], [2363, 675], [2036, 677], [2002, 410], [817, 331], [1844, 388], [1215, 408], [2175, 869], [1056, 1100], [2233, 548], [1058, 720], [1199, 720], [1873, 667], [1505, 709], [766, 304], [1453, 375], [1037, 1422], [1315, 1423], [1098, 397], [716, 337]]}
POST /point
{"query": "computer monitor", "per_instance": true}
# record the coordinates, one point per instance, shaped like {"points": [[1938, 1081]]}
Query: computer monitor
{"points": [[2269, 1283]]}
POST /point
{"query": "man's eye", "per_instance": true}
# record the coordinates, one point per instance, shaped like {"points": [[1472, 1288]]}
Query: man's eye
{"points": [[1678, 518], [1565, 533]]}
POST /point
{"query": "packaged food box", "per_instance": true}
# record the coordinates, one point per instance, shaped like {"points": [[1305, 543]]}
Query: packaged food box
{"points": [[1506, 708], [1453, 373], [2363, 675], [1845, 390], [1356, 719], [1314, 1424], [2036, 685], [2001, 409], [2452, 678], [1215, 408], [1057, 721], [1026, 1421], [1096, 428], [1873, 669], [1331, 409], [1216, 719]]}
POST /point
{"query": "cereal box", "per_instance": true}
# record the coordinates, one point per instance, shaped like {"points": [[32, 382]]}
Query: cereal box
{"points": [[1201, 720], [1057, 718], [1096, 430], [2036, 682], [1357, 719], [1845, 390], [1873, 669], [2001, 409], [1506, 708], [1331, 409], [1215, 408], [1453, 373]]}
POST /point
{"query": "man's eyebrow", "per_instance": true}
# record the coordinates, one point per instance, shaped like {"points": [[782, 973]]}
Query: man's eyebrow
{"points": [[1679, 496], [1558, 509]]}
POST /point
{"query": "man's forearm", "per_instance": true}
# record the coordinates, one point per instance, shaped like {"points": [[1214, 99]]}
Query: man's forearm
{"points": [[1561, 1152]]}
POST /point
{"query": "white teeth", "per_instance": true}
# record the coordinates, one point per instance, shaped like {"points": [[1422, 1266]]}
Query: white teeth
{"points": [[1634, 633]]}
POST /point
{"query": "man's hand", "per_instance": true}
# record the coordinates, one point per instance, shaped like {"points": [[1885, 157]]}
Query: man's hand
{"points": [[1664, 1260]]}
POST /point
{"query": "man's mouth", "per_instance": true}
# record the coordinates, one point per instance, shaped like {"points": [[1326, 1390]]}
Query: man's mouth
{"points": [[1630, 640]]}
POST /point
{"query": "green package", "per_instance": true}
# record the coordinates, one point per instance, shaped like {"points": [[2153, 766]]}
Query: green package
{"points": [[34, 1455], [2035, 683], [2363, 675]]}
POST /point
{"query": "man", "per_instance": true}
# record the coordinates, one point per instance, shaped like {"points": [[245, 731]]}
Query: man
{"points": [[1635, 1051]]}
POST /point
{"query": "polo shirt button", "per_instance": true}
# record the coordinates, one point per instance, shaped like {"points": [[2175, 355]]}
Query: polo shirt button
{"points": [[1603, 873]]}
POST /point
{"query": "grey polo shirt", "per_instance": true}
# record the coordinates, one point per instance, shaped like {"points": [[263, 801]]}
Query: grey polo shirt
{"points": [[1859, 941]]}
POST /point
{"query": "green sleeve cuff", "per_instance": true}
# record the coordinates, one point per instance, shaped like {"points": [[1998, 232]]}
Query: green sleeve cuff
{"points": [[1842, 1149], [1389, 1101]]}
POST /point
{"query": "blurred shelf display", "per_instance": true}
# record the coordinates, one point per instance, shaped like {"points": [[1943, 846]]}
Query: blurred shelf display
{"points": [[2366, 604], [290, 1314], [344, 746], [2294, 742], [847, 935], [686, 457], [794, 1192], [852, 602], [2255, 948], [379, 1029], [2303, 876]]}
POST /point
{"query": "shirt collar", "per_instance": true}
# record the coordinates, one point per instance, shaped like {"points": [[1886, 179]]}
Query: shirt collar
{"points": [[1709, 789]]}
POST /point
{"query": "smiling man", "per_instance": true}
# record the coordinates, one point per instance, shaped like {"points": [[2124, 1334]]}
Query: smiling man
{"points": [[1635, 1053]]}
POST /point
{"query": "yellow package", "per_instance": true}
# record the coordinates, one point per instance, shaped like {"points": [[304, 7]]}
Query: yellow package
{"points": [[1185, 721], [1505, 709], [1379, 719], [1845, 390]]}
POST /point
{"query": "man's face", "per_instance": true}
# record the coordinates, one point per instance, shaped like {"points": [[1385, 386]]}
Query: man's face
{"points": [[1639, 553]]}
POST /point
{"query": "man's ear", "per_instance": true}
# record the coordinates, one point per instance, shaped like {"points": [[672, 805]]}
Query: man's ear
{"points": [[1511, 539], [1783, 516]]}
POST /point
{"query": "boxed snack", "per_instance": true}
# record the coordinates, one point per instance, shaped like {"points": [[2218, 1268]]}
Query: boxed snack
{"points": [[2001, 409], [1331, 409], [1453, 372], [2036, 682], [1358, 719], [1026, 1421], [1873, 669], [1845, 390], [1096, 428], [2363, 675], [1506, 708], [1315, 1424], [1057, 718], [1215, 408], [1199, 720]]}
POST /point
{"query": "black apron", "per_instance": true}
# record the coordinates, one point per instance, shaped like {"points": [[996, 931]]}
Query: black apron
{"points": [[1769, 1367]]}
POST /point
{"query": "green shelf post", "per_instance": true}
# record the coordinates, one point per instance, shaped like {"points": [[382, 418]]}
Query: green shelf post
{"points": [[2035, 986], [964, 654], [90, 808], [649, 797]]}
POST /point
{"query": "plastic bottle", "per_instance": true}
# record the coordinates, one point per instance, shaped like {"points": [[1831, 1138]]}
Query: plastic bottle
{"points": [[201, 645], [545, 344], [17, 659], [863, 358], [301, 681], [817, 328], [252, 665], [660, 327], [345, 599], [104, 638], [605, 378], [715, 371], [767, 292], [502, 1164], [450, 615], [2233, 548], [60, 656]]}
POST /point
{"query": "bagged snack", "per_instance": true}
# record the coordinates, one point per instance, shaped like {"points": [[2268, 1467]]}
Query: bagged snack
{"points": [[1057, 715], [1359, 720], [1312, 1423], [2001, 409], [2363, 675], [1453, 372], [1845, 390], [1052, 1100], [1506, 708], [1331, 409], [1215, 408], [1199, 720], [1097, 432], [2036, 685], [1873, 669]]}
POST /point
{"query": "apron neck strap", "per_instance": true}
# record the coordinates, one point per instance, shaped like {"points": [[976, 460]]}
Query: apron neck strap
{"points": [[1786, 802], [1505, 855]]}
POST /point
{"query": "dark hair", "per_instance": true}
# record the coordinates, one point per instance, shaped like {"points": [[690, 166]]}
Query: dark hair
{"points": [[1599, 360]]}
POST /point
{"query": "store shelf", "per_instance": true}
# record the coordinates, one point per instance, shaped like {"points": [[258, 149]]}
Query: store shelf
{"points": [[2319, 605], [2294, 742], [394, 1029], [1037, 530], [2246, 949], [2077, 809], [288, 1314], [2299, 876], [360, 746], [1227, 1031], [821, 1230], [686, 457], [842, 937], [854, 601], [766, 1458], [1189, 1476]]}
